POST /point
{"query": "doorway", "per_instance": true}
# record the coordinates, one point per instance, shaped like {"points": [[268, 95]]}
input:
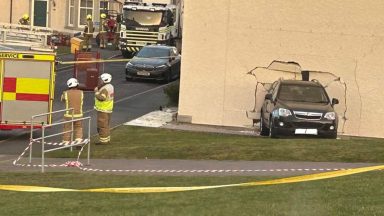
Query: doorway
{"points": [[40, 13]]}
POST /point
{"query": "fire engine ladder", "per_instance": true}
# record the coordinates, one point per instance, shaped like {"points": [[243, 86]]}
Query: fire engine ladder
{"points": [[24, 35]]}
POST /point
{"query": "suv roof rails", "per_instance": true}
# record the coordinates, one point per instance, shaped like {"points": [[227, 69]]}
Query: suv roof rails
{"points": [[316, 81], [159, 4]]}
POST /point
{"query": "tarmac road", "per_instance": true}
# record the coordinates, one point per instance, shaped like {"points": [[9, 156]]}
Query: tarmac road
{"points": [[132, 99]]}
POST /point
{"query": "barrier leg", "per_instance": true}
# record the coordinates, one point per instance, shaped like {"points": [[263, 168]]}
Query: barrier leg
{"points": [[42, 150]]}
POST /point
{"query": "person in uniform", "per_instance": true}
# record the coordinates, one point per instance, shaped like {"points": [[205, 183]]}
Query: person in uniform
{"points": [[104, 95], [117, 32], [24, 20], [88, 33], [73, 98], [103, 30]]}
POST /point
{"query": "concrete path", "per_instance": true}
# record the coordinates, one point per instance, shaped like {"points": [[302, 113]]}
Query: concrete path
{"points": [[180, 167]]}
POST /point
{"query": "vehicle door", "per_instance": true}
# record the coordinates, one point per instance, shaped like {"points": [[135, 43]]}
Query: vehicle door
{"points": [[269, 104]]}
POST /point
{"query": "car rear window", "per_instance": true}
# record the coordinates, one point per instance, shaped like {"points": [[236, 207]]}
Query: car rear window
{"points": [[302, 93]]}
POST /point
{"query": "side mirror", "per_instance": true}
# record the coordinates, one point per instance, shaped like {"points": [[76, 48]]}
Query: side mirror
{"points": [[172, 58], [268, 97], [335, 101]]}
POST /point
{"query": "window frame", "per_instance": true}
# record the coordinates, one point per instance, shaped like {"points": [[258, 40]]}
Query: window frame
{"points": [[71, 15], [79, 24]]}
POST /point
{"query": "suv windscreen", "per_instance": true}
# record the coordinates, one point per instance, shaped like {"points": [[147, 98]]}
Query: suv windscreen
{"points": [[302, 93]]}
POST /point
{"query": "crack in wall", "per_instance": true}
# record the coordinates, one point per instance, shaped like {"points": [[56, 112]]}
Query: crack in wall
{"points": [[295, 73], [361, 100]]}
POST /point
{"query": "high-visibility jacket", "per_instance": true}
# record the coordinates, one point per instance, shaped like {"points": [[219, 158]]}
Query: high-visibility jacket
{"points": [[104, 99], [73, 99]]}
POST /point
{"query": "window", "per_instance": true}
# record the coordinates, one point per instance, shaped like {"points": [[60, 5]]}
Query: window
{"points": [[303, 93], [86, 7], [153, 52], [71, 14], [104, 6]]}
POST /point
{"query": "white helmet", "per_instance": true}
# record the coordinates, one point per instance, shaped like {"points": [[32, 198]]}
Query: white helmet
{"points": [[72, 83], [106, 77]]}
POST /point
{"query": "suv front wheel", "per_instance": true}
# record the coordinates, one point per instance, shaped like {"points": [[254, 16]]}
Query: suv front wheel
{"points": [[272, 130], [264, 131]]}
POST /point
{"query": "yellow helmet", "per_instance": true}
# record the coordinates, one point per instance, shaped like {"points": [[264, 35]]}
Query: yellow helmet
{"points": [[25, 16], [89, 16], [103, 16]]}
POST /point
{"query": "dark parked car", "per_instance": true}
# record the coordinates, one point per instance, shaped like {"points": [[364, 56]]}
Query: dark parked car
{"points": [[293, 107], [154, 62]]}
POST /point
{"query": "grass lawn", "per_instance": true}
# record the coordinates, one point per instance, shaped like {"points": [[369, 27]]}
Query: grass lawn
{"points": [[155, 143], [360, 194]]}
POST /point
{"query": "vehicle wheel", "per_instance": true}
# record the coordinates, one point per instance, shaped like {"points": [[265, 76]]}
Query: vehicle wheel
{"points": [[272, 130], [264, 131], [128, 79]]}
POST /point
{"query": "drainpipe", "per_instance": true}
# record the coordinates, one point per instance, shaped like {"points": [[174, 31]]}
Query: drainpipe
{"points": [[10, 12], [31, 15]]}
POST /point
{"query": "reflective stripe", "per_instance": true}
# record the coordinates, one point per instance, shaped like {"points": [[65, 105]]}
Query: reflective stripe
{"points": [[28, 56], [32, 86], [105, 139], [74, 116], [9, 96]]}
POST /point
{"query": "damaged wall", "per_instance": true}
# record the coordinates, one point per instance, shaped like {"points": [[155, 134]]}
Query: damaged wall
{"points": [[225, 39]]}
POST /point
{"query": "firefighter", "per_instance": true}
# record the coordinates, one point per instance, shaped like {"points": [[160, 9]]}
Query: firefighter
{"points": [[88, 33], [116, 31], [73, 98], [24, 20], [104, 105], [103, 30]]}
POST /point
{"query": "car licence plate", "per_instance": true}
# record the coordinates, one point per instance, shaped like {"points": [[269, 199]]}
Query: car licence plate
{"points": [[306, 131], [143, 73]]}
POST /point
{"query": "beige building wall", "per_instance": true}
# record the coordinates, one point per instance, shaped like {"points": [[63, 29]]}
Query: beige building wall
{"points": [[19, 7], [224, 40]]}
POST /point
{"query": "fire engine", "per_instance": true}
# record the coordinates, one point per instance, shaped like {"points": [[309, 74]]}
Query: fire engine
{"points": [[149, 23], [26, 88], [27, 75]]}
